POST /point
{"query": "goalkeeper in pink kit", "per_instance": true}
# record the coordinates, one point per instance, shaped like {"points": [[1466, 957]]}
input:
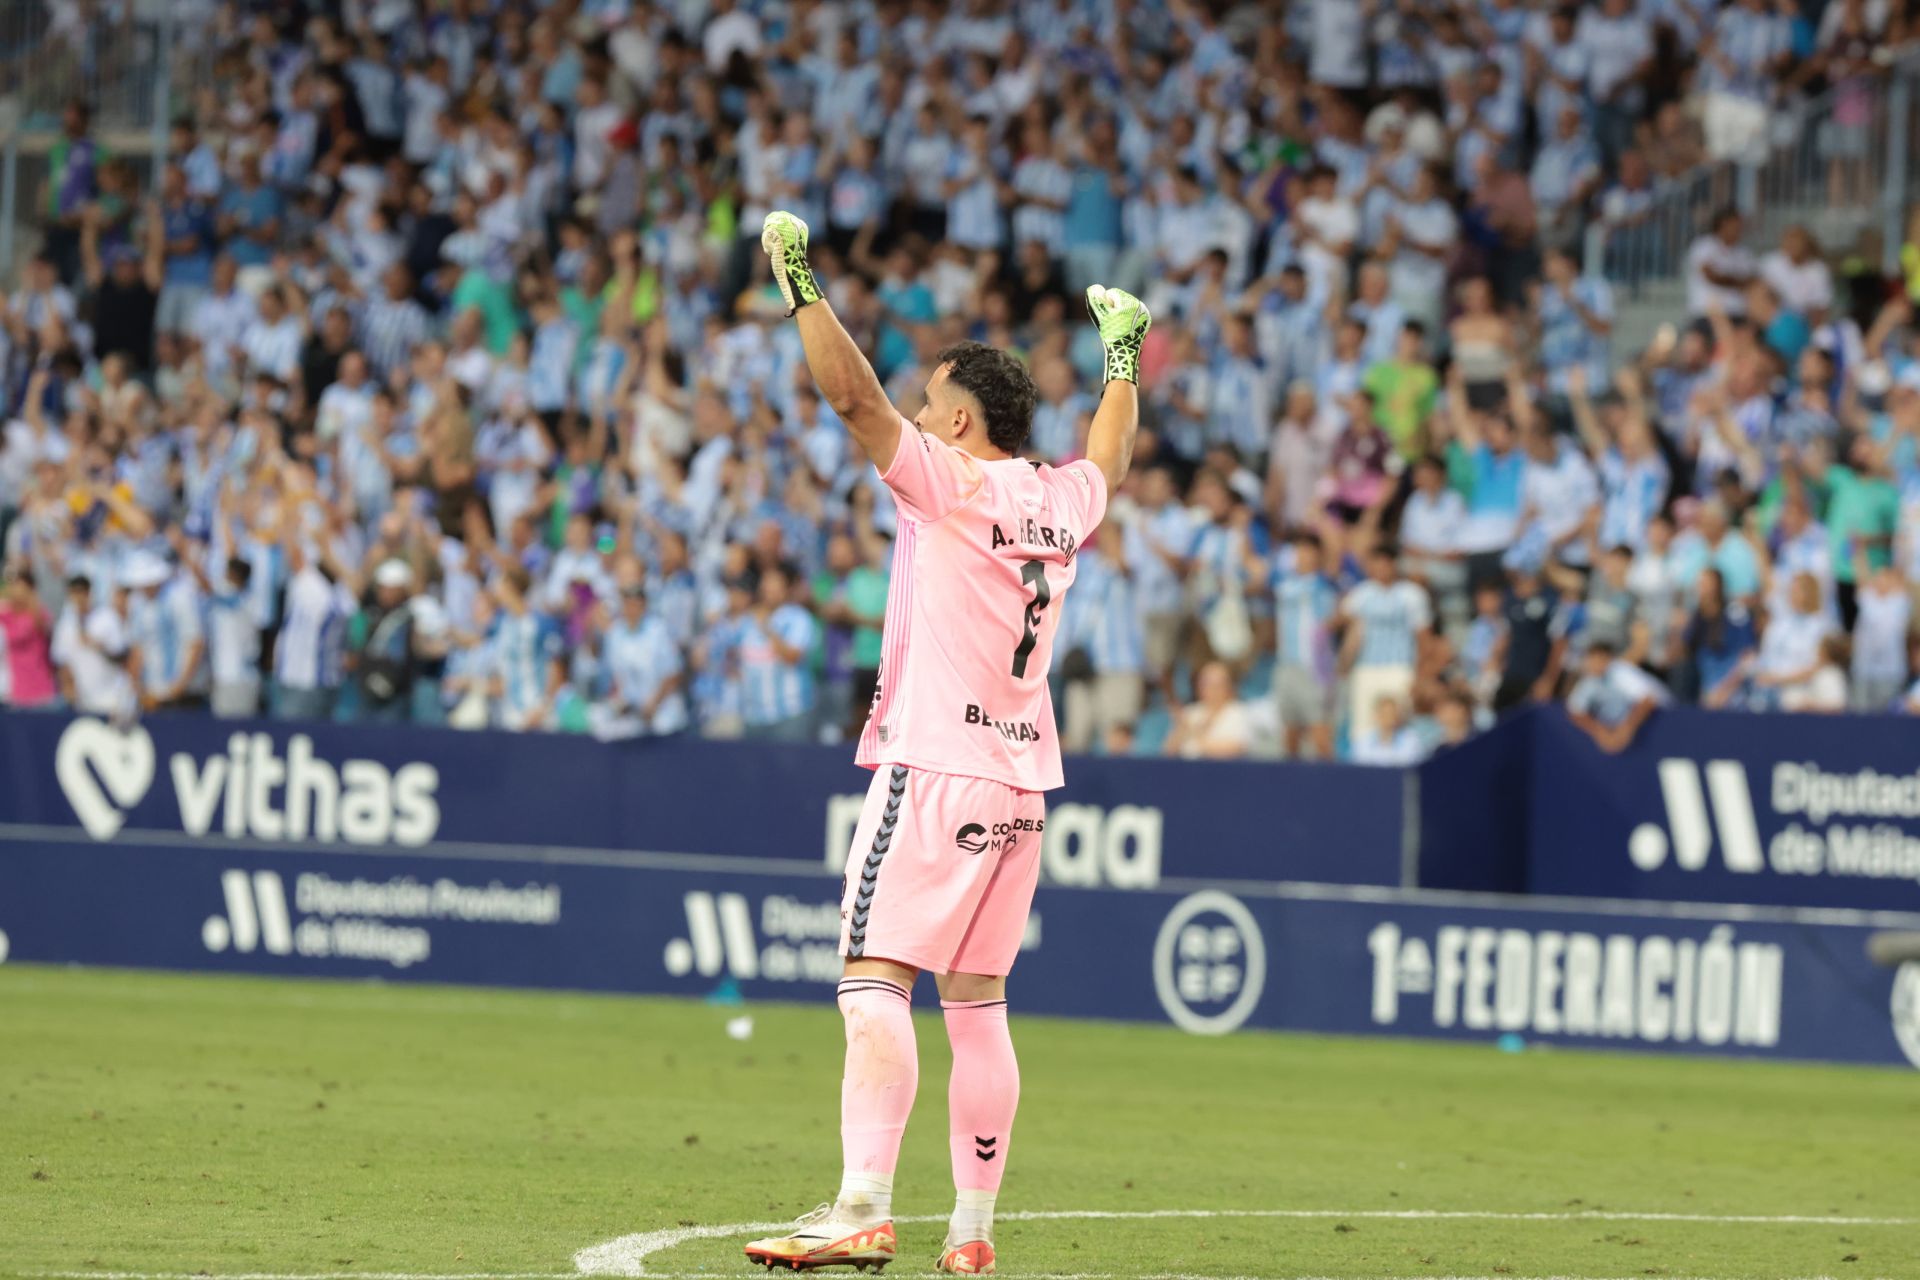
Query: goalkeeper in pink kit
{"points": [[961, 740]]}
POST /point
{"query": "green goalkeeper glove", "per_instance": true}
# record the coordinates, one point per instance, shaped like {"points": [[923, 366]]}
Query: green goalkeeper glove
{"points": [[1122, 320], [785, 239]]}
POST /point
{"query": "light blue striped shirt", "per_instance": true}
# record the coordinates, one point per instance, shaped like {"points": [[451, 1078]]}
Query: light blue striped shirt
{"points": [[716, 686], [1219, 562], [1171, 530], [164, 626], [1041, 178], [389, 331], [1103, 617], [306, 651], [599, 374], [1305, 605], [1239, 412], [640, 659], [1565, 339], [1632, 494], [524, 648], [1393, 616], [550, 365], [1056, 425], [973, 212], [772, 690]]}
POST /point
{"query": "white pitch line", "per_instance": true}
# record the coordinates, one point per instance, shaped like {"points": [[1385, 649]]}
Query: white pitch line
{"points": [[627, 1255]]}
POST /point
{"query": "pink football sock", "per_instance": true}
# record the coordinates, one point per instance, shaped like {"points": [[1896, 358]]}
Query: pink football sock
{"points": [[983, 1093], [876, 1092]]}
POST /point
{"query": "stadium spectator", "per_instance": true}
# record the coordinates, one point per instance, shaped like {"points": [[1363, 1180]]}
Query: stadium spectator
{"points": [[383, 648], [167, 648], [480, 301], [27, 631], [1387, 738], [89, 649], [1214, 726], [774, 647], [1386, 620], [1306, 611], [1103, 644], [1613, 697]]}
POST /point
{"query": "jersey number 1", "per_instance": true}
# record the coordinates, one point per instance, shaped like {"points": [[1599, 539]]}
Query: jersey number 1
{"points": [[1034, 574]]}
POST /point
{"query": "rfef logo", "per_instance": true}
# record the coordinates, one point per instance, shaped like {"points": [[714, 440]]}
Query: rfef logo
{"points": [[1906, 1010], [252, 790], [1209, 963]]}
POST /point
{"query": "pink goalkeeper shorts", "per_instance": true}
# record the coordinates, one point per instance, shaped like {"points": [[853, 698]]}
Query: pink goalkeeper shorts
{"points": [[942, 872]]}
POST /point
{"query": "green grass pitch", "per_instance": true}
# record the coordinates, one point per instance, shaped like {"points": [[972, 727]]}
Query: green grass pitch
{"points": [[183, 1125]]}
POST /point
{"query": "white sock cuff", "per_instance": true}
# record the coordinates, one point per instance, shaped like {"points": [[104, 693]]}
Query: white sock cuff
{"points": [[866, 1184], [972, 1216]]}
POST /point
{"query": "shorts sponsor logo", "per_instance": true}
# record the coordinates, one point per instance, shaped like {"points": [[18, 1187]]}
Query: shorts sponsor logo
{"points": [[1209, 963], [1906, 1009], [251, 790], [1011, 730], [974, 838], [387, 921], [1653, 988], [1810, 806]]}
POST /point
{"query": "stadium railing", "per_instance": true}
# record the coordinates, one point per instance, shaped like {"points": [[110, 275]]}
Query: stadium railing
{"points": [[1837, 163], [134, 68]]}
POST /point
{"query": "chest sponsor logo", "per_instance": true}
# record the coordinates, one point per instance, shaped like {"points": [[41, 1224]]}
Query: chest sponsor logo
{"points": [[1011, 730]]}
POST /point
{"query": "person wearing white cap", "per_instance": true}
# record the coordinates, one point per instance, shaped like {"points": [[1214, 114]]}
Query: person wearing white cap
{"points": [[168, 641], [380, 645]]}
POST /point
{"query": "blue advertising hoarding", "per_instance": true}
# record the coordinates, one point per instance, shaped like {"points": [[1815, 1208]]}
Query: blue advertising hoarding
{"points": [[1213, 896], [1126, 823], [1801, 810], [1342, 960]]}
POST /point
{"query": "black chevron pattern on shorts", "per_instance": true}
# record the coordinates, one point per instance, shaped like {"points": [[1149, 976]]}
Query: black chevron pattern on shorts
{"points": [[870, 871]]}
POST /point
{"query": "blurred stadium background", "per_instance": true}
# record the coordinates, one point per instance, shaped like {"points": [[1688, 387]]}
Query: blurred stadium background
{"points": [[428, 566]]}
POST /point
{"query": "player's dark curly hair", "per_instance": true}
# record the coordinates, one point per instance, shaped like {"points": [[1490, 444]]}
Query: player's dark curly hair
{"points": [[1000, 383]]}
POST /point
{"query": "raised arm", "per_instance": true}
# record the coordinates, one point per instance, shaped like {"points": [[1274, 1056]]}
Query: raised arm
{"points": [[1123, 321], [845, 379]]}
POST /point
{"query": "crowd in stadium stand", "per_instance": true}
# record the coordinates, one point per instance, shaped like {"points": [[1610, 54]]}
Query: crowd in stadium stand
{"points": [[439, 379]]}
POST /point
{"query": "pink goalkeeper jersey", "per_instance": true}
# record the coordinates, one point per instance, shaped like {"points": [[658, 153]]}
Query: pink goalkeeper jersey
{"points": [[985, 552]]}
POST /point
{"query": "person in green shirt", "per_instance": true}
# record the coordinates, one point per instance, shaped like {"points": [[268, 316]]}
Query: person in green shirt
{"points": [[851, 598], [1863, 508], [1404, 390], [493, 299]]}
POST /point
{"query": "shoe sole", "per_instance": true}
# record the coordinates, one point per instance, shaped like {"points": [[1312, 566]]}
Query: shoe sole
{"points": [[773, 1262]]}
